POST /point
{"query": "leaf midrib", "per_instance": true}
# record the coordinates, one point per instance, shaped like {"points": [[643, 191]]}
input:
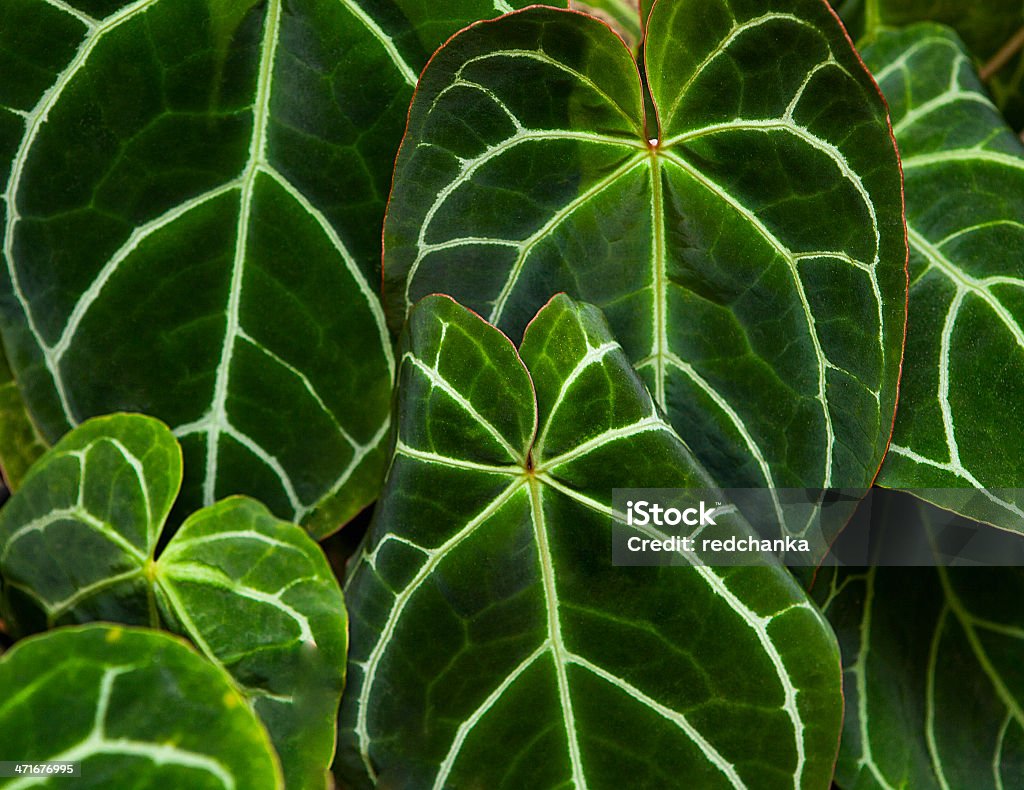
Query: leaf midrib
{"points": [[662, 357], [533, 480], [215, 421], [554, 627], [660, 354], [217, 414]]}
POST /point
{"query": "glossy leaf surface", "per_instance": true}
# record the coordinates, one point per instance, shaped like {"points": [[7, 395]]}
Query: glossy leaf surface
{"points": [[751, 261], [934, 694], [493, 642], [256, 595], [193, 195], [76, 540], [138, 708], [962, 401]]}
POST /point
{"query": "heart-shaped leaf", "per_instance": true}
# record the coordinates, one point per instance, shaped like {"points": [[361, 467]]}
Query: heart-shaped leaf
{"points": [[494, 644], [751, 258], [992, 30], [256, 595], [934, 693], [193, 194], [136, 708], [958, 424]]}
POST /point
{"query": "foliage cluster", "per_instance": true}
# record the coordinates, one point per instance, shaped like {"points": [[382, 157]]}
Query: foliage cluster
{"points": [[450, 273]]}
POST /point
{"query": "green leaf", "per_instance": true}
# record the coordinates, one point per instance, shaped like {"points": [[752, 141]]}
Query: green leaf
{"points": [[624, 17], [137, 708], [493, 642], [20, 443], [76, 540], [751, 262], [992, 31], [256, 595], [962, 386], [193, 196], [934, 692]]}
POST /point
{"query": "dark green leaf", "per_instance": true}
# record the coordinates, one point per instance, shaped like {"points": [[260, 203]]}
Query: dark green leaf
{"points": [[256, 595], [933, 684], [993, 31], [20, 443], [77, 539], [960, 419], [751, 261], [137, 708], [193, 195], [493, 642]]}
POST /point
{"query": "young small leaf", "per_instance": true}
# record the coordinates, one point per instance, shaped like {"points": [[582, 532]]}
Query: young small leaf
{"points": [[76, 540], [136, 708], [494, 644], [255, 594]]}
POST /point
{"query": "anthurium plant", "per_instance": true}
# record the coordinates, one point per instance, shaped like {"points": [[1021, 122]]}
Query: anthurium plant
{"points": [[334, 329]]}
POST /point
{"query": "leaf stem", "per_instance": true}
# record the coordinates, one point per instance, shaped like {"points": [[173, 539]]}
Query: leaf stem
{"points": [[1003, 56]]}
